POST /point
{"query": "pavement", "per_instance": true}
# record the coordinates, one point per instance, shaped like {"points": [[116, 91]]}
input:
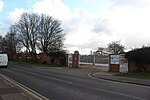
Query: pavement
{"points": [[109, 76], [11, 90]]}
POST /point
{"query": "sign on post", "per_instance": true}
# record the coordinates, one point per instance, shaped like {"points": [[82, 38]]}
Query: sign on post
{"points": [[114, 63], [114, 59]]}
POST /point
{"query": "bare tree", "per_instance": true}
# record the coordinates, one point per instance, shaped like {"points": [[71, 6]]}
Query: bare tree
{"points": [[50, 34], [1, 38], [4, 45], [39, 31], [115, 47], [27, 31], [10, 42]]}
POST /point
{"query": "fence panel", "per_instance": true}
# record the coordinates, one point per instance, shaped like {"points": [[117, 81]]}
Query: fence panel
{"points": [[99, 60]]}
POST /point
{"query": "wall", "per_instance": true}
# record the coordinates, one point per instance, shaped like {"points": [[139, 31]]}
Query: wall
{"points": [[132, 67]]}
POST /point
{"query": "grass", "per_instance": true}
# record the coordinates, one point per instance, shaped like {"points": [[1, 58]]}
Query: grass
{"points": [[140, 75], [34, 64]]}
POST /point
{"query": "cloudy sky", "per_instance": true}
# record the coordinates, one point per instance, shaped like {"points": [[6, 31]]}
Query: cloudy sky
{"points": [[88, 24]]}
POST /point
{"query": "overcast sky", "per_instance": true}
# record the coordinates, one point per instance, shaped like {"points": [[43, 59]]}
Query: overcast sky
{"points": [[88, 24]]}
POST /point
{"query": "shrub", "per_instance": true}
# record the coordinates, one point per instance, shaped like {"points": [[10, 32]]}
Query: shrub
{"points": [[56, 57], [140, 56]]}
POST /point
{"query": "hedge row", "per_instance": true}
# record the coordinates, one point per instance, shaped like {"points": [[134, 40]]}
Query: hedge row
{"points": [[140, 56]]}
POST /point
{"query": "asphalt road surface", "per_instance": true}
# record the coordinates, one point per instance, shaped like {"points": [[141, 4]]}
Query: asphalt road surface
{"points": [[73, 84]]}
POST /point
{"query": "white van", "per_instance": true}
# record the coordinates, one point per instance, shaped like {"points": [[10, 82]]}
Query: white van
{"points": [[3, 60]]}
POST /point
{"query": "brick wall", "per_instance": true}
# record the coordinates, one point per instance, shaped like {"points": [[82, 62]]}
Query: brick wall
{"points": [[114, 68], [132, 67]]}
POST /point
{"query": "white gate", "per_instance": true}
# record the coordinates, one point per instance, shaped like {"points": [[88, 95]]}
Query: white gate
{"points": [[98, 61], [123, 63], [69, 60]]}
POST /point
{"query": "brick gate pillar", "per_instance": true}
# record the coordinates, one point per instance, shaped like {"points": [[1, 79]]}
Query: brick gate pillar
{"points": [[75, 59]]}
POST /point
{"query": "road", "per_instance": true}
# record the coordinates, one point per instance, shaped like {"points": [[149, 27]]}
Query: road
{"points": [[73, 84]]}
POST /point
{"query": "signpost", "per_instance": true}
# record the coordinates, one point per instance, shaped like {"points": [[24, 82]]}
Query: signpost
{"points": [[114, 59], [114, 63]]}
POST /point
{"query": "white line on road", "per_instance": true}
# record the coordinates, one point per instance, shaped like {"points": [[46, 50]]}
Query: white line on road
{"points": [[58, 79], [118, 93], [30, 91]]}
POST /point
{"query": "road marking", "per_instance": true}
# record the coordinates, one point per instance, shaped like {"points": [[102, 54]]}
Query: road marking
{"points": [[47, 77], [30, 91], [59, 68], [58, 79], [138, 98]]}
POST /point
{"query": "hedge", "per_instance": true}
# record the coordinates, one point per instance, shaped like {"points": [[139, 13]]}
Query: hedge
{"points": [[140, 56]]}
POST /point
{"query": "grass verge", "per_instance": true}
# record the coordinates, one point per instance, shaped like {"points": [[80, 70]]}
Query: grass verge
{"points": [[140, 75]]}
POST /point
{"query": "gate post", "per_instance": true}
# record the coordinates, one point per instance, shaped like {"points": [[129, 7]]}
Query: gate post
{"points": [[75, 59], [67, 60]]}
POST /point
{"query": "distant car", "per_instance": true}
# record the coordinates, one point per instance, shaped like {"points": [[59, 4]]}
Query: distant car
{"points": [[3, 60]]}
